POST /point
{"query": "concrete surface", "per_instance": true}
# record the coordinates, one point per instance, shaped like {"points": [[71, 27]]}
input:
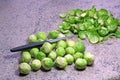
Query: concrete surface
{"points": [[20, 18]]}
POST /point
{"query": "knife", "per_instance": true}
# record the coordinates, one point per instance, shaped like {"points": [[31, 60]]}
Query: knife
{"points": [[36, 44]]}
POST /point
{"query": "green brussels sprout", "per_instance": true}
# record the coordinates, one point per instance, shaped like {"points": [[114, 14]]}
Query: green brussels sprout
{"points": [[82, 35], [34, 52], [78, 12], [26, 57], [102, 12], [53, 34], [52, 55], [78, 55], [36, 64], [40, 56], [47, 47], [117, 34], [80, 64], [32, 38], [61, 62], [112, 28], [41, 35], [61, 43], [47, 63], [79, 47], [60, 51], [70, 43], [72, 12], [63, 15], [89, 58], [103, 31], [24, 68], [70, 50], [69, 59]]}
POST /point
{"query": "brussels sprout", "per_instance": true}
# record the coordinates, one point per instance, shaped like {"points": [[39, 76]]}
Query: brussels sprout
{"points": [[72, 12], [79, 47], [82, 35], [26, 57], [69, 58], [40, 56], [61, 62], [24, 68], [103, 31], [102, 12], [112, 28], [70, 50], [61, 43], [80, 64], [63, 15], [52, 55], [60, 51], [41, 35], [117, 34], [34, 52], [78, 55], [70, 43], [89, 58], [47, 47], [32, 38], [47, 63], [36, 64], [53, 34]]}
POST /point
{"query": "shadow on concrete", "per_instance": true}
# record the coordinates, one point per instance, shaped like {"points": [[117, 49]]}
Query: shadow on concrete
{"points": [[16, 55]]}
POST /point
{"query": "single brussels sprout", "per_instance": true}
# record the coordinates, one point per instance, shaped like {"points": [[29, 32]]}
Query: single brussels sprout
{"points": [[69, 59], [60, 51], [112, 28], [93, 38], [24, 68], [82, 35], [102, 12], [61, 62], [103, 31], [47, 47], [63, 15], [89, 58], [36, 64], [34, 52], [61, 43], [47, 63], [117, 34], [79, 47], [70, 43], [80, 64], [70, 50], [32, 38], [78, 55], [40, 56], [52, 55], [72, 12], [26, 57], [53, 34], [41, 35]]}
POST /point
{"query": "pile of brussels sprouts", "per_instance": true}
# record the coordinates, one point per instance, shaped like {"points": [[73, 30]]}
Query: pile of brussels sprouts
{"points": [[58, 54], [96, 25]]}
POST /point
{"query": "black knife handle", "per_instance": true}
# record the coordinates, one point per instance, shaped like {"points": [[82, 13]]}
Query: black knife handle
{"points": [[28, 46]]}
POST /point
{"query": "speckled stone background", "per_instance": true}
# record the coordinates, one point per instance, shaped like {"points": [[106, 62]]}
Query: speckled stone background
{"points": [[20, 18]]}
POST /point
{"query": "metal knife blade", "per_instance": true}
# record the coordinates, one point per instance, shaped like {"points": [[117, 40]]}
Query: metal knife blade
{"points": [[36, 44]]}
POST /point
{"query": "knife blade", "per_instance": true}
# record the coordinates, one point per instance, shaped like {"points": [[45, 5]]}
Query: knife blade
{"points": [[36, 44]]}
